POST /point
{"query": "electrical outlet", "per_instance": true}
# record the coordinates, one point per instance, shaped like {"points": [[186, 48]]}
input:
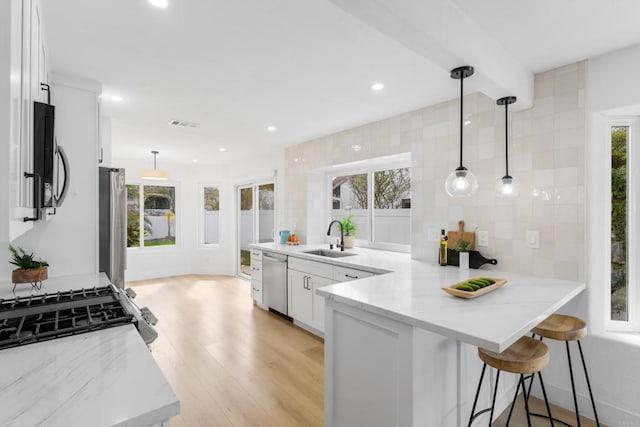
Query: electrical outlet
{"points": [[533, 239], [482, 238]]}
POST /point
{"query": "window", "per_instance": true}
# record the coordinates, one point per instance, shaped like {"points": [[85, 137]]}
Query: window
{"points": [[155, 224], [623, 298], [619, 282], [379, 202], [211, 202]]}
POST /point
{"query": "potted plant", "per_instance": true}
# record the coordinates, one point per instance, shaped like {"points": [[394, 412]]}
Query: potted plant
{"points": [[349, 229], [463, 247], [29, 269]]}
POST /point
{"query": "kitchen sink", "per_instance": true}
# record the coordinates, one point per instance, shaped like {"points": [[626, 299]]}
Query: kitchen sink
{"points": [[328, 253]]}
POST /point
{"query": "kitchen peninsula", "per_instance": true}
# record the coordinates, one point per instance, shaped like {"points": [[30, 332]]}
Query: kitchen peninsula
{"points": [[399, 351]]}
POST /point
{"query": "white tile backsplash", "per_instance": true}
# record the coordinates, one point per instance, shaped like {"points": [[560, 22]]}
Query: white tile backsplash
{"points": [[546, 158]]}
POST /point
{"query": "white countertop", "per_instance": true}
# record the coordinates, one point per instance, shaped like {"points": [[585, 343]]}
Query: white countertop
{"points": [[102, 378], [412, 294]]}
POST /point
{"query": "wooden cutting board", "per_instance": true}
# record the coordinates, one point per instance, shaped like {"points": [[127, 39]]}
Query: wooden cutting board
{"points": [[455, 236]]}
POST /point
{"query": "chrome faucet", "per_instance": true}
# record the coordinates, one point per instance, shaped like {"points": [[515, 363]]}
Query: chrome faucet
{"points": [[341, 245]]}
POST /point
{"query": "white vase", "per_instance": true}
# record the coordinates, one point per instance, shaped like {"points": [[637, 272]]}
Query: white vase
{"points": [[463, 260], [349, 241]]}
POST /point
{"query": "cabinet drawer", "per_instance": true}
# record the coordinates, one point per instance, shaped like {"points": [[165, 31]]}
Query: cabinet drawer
{"points": [[256, 270], [256, 291], [256, 255], [345, 274], [311, 267]]}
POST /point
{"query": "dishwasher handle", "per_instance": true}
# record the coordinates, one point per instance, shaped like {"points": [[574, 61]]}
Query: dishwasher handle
{"points": [[270, 258]]}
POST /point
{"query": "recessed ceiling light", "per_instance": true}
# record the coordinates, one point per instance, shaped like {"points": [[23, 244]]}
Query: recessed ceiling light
{"points": [[195, 160], [272, 128], [356, 147], [222, 149], [159, 3], [377, 86], [116, 98]]}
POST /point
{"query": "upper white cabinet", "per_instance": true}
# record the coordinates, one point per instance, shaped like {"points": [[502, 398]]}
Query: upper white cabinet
{"points": [[24, 50]]}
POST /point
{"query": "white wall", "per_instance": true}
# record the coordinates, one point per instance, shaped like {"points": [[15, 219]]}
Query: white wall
{"points": [[68, 241], [612, 358]]}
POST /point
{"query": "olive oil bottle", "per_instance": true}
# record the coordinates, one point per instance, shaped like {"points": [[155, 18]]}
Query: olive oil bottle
{"points": [[443, 248]]}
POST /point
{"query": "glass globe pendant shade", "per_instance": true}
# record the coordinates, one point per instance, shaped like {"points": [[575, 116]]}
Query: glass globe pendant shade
{"points": [[507, 188], [461, 183]]}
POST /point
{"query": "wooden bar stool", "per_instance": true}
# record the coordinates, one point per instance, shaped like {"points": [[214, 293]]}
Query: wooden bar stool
{"points": [[525, 356], [566, 328]]}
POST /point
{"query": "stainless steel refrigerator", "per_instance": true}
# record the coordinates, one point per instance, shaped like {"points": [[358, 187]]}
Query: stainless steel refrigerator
{"points": [[112, 224]]}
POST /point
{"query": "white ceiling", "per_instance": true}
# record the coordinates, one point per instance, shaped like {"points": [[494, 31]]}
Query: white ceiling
{"points": [[306, 67]]}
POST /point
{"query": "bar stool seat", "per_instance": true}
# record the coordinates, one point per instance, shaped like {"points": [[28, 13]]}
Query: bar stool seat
{"points": [[562, 327], [525, 356]]}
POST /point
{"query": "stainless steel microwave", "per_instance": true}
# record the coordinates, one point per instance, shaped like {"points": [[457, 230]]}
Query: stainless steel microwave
{"points": [[50, 164]]}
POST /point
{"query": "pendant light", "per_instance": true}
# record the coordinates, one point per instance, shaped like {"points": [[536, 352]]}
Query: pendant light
{"points": [[155, 174], [461, 182], [506, 187]]}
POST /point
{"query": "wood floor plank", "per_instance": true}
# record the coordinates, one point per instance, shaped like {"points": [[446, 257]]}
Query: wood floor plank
{"points": [[234, 364]]}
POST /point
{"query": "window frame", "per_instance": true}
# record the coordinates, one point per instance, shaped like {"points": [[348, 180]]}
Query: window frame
{"points": [[633, 224], [178, 229], [373, 166], [201, 227]]}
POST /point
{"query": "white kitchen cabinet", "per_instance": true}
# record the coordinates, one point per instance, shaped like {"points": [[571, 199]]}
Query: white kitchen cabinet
{"points": [[305, 277], [24, 51], [300, 297], [317, 318], [256, 278]]}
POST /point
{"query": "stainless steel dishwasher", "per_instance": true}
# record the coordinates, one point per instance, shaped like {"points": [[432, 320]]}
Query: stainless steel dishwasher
{"points": [[274, 282]]}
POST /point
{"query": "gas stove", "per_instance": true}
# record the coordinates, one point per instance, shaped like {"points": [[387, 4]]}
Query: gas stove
{"points": [[35, 318]]}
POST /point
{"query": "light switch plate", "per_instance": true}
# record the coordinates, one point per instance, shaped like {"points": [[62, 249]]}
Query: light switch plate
{"points": [[533, 239], [482, 238], [433, 235]]}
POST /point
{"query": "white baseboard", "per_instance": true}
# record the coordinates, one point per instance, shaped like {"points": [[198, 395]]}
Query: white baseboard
{"points": [[608, 414]]}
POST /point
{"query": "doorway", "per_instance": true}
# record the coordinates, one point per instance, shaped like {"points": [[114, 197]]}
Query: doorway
{"points": [[256, 210]]}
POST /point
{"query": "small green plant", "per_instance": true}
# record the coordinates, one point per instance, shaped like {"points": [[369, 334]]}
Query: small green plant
{"points": [[463, 246], [26, 262], [348, 226]]}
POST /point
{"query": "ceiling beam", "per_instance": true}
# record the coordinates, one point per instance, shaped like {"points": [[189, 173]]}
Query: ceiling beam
{"points": [[443, 34]]}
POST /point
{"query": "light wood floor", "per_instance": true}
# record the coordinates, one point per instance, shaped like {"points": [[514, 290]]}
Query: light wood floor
{"points": [[234, 364]]}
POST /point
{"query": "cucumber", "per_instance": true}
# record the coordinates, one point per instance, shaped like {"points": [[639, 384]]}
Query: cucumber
{"points": [[465, 288], [475, 286], [489, 280], [478, 283]]}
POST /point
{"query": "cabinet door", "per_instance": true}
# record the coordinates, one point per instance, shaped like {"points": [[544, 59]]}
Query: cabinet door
{"points": [[301, 297], [316, 282]]}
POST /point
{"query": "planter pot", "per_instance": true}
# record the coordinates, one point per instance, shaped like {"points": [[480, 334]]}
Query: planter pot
{"points": [[463, 260], [32, 275], [349, 241]]}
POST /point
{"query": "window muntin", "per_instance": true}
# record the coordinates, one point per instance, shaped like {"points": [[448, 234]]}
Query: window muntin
{"points": [[211, 221], [155, 224]]}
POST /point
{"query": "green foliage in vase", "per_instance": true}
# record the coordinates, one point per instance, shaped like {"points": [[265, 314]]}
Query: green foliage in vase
{"points": [[348, 226], [25, 261], [463, 246]]}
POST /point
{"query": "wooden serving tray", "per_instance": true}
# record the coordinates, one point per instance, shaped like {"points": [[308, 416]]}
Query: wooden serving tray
{"points": [[451, 289]]}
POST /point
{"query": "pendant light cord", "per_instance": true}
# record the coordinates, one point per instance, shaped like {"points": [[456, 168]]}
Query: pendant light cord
{"points": [[506, 138], [461, 115]]}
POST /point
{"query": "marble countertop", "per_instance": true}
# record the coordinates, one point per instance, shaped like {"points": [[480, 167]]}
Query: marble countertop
{"points": [[411, 293], [102, 378]]}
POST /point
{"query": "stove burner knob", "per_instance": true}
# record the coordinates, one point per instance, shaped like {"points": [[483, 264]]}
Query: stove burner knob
{"points": [[148, 316], [130, 293]]}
